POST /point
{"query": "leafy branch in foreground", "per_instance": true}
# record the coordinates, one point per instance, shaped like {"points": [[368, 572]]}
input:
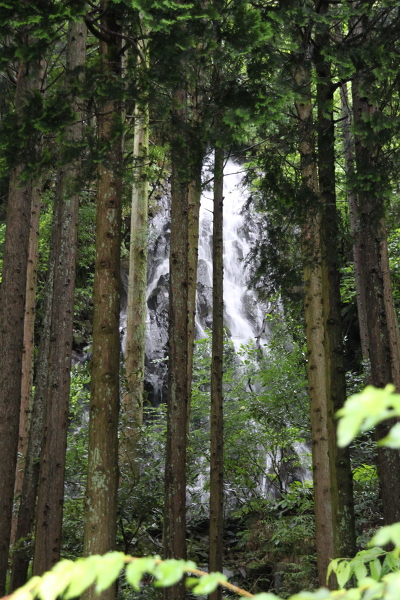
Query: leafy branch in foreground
{"points": [[70, 579], [376, 571]]}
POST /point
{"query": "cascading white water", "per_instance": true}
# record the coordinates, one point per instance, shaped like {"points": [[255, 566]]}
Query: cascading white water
{"points": [[243, 314]]}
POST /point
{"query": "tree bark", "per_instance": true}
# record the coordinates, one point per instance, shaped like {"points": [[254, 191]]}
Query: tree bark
{"points": [[194, 195], [216, 550], [26, 514], [137, 284], [355, 229], [28, 352], [177, 407], [12, 309], [383, 334], [317, 371], [49, 509], [102, 479], [341, 477]]}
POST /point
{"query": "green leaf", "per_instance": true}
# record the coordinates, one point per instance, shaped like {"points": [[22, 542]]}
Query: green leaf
{"points": [[391, 562], [385, 535], [265, 596], [56, 581], [363, 411], [84, 575], [360, 571], [374, 591], [136, 569], [25, 592], [343, 573], [169, 572], [392, 440], [208, 583], [109, 569], [375, 568], [331, 567]]}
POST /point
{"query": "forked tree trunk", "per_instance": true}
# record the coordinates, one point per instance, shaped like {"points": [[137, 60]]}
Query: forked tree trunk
{"points": [[216, 550], [102, 479], [12, 309], [341, 477], [137, 285], [56, 389], [177, 407], [383, 334]]}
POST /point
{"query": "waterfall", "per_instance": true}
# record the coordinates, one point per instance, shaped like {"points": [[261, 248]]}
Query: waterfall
{"points": [[243, 313]]}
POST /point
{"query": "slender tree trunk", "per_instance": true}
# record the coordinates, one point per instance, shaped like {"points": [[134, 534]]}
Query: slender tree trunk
{"points": [[216, 415], [382, 327], [28, 352], [341, 477], [175, 464], [194, 195], [12, 309], [26, 514], [137, 284], [49, 509], [317, 371], [102, 479], [355, 227]]}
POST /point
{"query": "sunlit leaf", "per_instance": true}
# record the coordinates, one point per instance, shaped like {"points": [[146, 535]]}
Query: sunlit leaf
{"points": [[137, 568], [109, 569], [208, 583], [343, 573], [392, 440], [169, 572], [375, 568], [387, 535]]}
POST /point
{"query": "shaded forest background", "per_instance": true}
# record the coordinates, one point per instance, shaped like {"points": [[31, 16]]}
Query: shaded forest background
{"points": [[108, 109]]}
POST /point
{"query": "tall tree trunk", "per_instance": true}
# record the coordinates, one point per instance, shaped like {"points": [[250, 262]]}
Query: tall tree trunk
{"points": [[383, 335], [216, 550], [28, 352], [194, 195], [341, 477], [317, 371], [102, 479], [177, 407], [137, 285], [26, 514], [49, 509], [12, 309], [355, 226]]}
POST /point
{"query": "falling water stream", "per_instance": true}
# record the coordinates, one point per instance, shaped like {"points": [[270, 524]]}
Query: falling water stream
{"points": [[243, 314]]}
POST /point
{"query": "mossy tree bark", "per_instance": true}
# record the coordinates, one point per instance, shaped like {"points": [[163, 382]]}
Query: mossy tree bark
{"points": [[216, 549], [102, 478], [12, 310], [57, 376]]}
